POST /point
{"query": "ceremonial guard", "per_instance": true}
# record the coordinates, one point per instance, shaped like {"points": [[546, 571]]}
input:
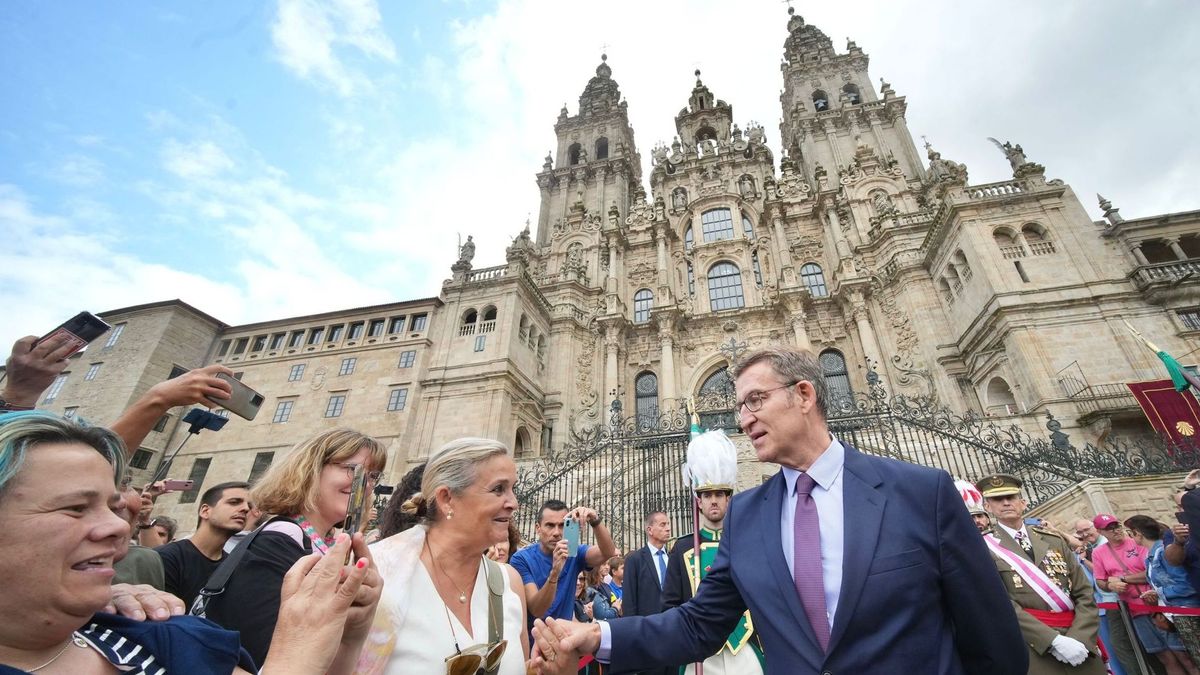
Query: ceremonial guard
{"points": [[711, 473], [974, 502], [1047, 585]]}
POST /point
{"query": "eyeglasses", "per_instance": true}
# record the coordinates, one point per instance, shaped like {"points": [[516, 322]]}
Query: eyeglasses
{"points": [[754, 400], [476, 659], [350, 469]]}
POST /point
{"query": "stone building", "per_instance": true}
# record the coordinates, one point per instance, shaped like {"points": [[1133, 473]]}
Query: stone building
{"points": [[1003, 299]]}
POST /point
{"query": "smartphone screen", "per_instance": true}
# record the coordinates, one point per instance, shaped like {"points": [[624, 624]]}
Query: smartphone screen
{"points": [[571, 534], [79, 331]]}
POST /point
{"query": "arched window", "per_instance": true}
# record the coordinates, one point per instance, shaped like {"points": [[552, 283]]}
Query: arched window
{"points": [[541, 349], [573, 154], [643, 302], [524, 329], [964, 268], [645, 392], [706, 134], [814, 280], [1004, 237], [688, 239], [1000, 398], [470, 316], [820, 100], [715, 402], [851, 91], [944, 287], [725, 287], [489, 313], [602, 148], [747, 226], [717, 224], [1034, 232], [521, 443], [837, 378]]}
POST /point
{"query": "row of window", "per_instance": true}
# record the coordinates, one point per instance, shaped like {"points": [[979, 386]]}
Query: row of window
{"points": [[407, 359], [262, 462], [725, 287], [821, 99], [58, 383], [314, 336], [336, 404], [575, 153], [645, 387]]}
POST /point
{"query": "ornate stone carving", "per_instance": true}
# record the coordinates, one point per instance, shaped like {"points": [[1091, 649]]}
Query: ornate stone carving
{"points": [[679, 199]]}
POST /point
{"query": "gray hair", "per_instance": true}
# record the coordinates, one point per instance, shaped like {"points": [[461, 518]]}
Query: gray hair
{"points": [[21, 432], [454, 465], [792, 365]]}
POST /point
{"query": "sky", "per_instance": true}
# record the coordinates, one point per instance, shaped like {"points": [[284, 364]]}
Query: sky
{"points": [[261, 160]]}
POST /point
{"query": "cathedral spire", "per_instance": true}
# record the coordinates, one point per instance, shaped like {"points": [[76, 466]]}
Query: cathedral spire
{"points": [[601, 95]]}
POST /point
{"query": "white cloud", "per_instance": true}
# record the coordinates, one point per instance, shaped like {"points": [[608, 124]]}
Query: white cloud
{"points": [[198, 159], [307, 35]]}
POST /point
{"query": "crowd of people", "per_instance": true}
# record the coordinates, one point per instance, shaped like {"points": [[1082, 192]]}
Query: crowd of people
{"points": [[841, 562]]}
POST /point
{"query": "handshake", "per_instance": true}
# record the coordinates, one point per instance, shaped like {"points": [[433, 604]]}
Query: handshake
{"points": [[1068, 650]]}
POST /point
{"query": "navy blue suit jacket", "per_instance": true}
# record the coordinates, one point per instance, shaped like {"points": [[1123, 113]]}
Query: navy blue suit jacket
{"points": [[919, 590], [642, 594]]}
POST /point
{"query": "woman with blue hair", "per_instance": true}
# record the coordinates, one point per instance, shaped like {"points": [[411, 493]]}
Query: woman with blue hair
{"points": [[59, 534]]}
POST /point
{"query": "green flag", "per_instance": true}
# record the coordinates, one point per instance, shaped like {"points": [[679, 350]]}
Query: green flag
{"points": [[1180, 376]]}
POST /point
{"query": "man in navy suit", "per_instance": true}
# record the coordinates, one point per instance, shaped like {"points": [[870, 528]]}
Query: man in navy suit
{"points": [[645, 570], [849, 563]]}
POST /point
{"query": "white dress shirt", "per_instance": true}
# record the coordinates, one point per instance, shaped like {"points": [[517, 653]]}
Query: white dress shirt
{"points": [[827, 495]]}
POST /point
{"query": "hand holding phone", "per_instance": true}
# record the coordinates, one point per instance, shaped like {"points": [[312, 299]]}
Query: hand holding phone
{"points": [[243, 401], [172, 485], [571, 536], [78, 331]]}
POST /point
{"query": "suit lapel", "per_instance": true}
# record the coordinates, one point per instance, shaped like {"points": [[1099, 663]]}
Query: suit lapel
{"points": [[772, 505], [863, 505]]}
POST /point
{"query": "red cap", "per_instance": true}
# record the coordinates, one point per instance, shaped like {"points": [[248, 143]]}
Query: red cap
{"points": [[1104, 521]]}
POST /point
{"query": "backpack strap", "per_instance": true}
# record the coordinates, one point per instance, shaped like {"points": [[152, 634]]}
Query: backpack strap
{"points": [[496, 578], [220, 577]]}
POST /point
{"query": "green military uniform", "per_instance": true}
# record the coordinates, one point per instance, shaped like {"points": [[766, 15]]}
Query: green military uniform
{"points": [[1053, 555], [742, 651]]}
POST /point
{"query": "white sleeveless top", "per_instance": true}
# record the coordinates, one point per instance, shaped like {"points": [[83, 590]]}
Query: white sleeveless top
{"points": [[424, 639]]}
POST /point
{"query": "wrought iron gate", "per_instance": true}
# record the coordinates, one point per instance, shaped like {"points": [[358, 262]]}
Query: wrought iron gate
{"points": [[632, 465]]}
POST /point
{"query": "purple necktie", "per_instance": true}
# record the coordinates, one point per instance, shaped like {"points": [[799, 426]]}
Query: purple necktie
{"points": [[806, 559]]}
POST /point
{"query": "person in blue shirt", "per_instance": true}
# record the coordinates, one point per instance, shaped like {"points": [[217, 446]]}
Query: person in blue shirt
{"points": [[543, 563]]}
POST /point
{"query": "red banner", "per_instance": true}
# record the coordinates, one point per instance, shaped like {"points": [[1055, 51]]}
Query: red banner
{"points": [[1174, 414]]}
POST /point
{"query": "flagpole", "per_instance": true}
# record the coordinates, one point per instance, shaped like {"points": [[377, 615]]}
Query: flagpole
{"points": [[694, 432]]}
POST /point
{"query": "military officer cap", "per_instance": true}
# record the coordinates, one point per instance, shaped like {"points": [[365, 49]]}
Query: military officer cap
{"points": [[999, 485]]}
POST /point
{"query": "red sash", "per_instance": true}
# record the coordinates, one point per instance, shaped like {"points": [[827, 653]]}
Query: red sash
{"points": [[1053, 619]]}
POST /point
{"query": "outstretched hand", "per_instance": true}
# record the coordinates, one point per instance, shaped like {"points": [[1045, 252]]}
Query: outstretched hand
{"points": [[32, 366], [559, 644], [315, 601]]}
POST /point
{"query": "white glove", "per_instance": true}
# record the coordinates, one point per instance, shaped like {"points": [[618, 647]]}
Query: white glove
{"points": [[1068, 650]]}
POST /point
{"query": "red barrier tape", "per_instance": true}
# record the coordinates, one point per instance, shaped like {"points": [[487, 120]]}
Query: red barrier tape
{"points": [[1186, 611]]}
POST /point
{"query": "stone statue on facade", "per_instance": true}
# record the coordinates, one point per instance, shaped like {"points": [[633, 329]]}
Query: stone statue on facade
{"points": [[746, 186], [679, 199], [467, 252], [1014, 153]]}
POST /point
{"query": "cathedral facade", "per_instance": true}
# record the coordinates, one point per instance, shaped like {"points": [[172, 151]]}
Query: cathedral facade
{"points": [[1004, 299]]}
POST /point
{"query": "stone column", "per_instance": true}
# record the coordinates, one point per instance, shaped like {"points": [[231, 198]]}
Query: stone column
{"points": [[1177, 249], [801, 330], [866, 334], [666, 382], [611, 282], [612, 344], [663, 270], [1138, 255], [783, 254]]}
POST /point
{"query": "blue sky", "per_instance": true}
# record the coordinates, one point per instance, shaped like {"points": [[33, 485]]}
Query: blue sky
{"points": [[268, 159]]}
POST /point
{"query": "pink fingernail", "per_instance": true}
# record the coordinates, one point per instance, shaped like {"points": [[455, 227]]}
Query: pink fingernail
{"points": [[362, 562]]}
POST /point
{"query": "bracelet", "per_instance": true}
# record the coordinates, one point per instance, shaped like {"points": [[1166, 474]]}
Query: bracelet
{"points": [[594, 523]]}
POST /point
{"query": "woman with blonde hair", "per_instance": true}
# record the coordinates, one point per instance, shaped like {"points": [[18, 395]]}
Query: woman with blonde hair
{"points": [[307, 494], [445, 607]]}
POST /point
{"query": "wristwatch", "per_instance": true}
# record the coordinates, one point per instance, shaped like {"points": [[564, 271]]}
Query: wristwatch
{"points": [[593, 523]]}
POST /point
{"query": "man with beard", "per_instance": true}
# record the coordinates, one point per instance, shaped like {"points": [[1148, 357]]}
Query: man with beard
{"points": [[187, 563], [1046, 583], [712, 469]]}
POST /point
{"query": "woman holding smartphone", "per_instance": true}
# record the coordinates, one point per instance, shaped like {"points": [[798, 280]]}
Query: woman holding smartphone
{"points": [[307, 494]]}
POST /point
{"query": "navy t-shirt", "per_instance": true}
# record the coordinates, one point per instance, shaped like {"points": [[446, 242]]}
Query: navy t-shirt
{"points": [[534, 567]]}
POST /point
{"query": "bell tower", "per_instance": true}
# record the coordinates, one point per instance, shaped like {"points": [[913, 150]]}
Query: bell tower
{"points": [[831, 110], [596, 165]]}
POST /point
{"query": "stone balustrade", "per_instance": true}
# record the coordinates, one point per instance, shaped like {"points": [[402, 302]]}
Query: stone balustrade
{"points": [[990, 190], [1014, 251], [1041, 247], [487, 273], [1166, 273]]}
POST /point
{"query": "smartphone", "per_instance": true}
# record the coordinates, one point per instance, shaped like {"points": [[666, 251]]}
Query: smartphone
{"points": [[571, 534], [172, 485], [79, 330], [358, 507], [243, 401], [1033, 521], [1181, 518]]}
